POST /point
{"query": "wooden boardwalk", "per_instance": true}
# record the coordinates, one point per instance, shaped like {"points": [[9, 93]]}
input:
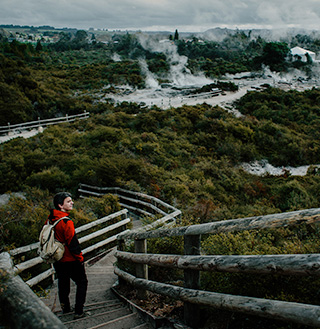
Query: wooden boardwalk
{"points": [[103, 308]]}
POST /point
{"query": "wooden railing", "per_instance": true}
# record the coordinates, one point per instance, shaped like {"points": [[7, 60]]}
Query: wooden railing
{"points": [[192, 263], [16, 297], [17, 128], [138, 203], [18, 268]]}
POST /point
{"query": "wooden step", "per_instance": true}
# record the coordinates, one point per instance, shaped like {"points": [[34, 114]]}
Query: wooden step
{"points": [[103, 308]]}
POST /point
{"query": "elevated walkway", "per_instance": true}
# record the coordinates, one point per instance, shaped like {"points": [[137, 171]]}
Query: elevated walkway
{"points": [[24, 309], [104, 309]]}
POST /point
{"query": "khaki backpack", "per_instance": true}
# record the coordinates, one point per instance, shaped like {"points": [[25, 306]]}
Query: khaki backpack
{"points": [[50, 249]]}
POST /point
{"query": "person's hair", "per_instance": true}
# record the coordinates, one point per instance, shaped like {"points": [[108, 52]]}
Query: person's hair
{"points": [[59, 198]]}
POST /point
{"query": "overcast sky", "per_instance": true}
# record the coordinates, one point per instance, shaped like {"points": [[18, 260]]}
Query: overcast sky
{"points": [[164, 15]]}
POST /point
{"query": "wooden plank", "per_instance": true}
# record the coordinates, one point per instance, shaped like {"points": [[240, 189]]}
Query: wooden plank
{"points": [[300, 264], [149, 197], [145, 204], [91, 193], [99, 244], [45, 122], [27, 264], [30, 247], [98, 188], [135, 234], [104, 230], [24, 249], [308, 216], [101, 220], [37, 260], [305, 314], [116, 190], [121, 197], [134, 209], [21, 306], [44, 275]]}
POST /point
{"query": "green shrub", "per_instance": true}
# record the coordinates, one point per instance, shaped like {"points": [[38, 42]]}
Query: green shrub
{"points": [[295, 240], [51, 179]]}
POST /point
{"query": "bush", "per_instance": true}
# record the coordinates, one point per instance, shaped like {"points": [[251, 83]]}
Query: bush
{"points": [[50, 179], [24, 215], [299, 240]]}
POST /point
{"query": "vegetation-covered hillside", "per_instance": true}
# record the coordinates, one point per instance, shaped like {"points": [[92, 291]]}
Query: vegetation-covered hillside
{"points": [[190, 156], [45, 80]]}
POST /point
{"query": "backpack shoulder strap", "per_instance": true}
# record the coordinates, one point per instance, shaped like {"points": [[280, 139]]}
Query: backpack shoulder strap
{"points": [[56, 222]]}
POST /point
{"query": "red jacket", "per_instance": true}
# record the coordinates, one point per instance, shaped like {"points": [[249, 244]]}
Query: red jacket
{"points": [[65, 233]]}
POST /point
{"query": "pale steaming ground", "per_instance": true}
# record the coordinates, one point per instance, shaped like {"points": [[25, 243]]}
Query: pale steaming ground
{"points": [[180, 80], [166, 98], [173, 95], [263, 167]]}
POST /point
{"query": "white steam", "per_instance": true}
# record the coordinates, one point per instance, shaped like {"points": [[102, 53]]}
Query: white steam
{"points": [[116, 57], [179, 74], [151, 81]]}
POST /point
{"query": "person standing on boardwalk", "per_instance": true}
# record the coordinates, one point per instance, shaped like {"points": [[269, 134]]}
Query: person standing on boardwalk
{"points": [[71, 265]]}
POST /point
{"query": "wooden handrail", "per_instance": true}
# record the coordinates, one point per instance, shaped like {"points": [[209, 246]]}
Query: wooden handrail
{"points": [[14, 292], [137, 198], [299, 217], [18, 268], [32, 314], [288, 264], [287, 311], [43, 123], [33, 246], [39, 315], [192, 263]]}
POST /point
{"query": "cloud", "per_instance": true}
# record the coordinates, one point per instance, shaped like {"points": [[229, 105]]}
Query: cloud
{"points": [[161, 14]]}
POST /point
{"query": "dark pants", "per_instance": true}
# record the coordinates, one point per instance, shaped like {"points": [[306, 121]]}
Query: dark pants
{"points": [[75, 271]]}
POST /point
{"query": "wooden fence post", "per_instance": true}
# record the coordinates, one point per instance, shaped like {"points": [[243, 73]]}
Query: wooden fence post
{"points": [[140, 246], [120, 247], [192, 280], [124, 216]]}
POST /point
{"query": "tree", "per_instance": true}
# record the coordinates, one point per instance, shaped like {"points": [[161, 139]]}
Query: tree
{"points": [[81, 36], [274, 55], [176, 35], [38, 46]]}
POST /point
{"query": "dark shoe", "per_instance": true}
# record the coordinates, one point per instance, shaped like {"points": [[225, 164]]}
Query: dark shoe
{"points": [[65, 309], [80, 316]]}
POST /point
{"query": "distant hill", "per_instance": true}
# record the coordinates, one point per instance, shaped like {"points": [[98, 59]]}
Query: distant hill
{"points": [[218, 34]]}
